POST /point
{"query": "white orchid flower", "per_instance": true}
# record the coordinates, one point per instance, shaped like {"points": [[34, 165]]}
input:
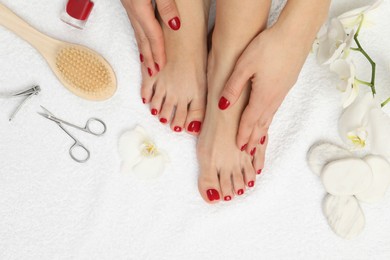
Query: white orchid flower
{"points": [[345, 69], [140, 156], [364, 122], [334, 44], [353, 18]]}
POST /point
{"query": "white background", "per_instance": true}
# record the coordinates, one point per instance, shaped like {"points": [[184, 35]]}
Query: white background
{"points": [[54, 208]]}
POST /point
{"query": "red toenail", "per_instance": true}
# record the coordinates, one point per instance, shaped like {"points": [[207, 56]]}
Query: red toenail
{"points": [[194, 126], [157, 67], [177, 129], [262, 140], [154, 111], [163, 120], [240, 192], [253, 151], [212, 194], [141, 57], [143, 100], [174, 23], [223, 103], [244, 147], [150, 72], [227, 198], [251, 184], [259, 171]]}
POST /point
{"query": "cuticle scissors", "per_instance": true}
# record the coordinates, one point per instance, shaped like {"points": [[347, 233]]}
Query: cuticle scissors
{"points": [[87, 129]]}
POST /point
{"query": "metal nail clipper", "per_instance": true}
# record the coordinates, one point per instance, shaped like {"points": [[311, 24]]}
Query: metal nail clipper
{"points": [[28, 93]]}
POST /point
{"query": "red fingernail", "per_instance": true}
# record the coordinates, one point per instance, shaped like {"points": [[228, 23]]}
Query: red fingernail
{"points": [[141, 57], [143, 100], [212, 194], [262, 140], [194, 126], [163, 120], [150, 72], [240, 192], [253, 151], [244, 147], [154, 111], [174, 23], [251, 184], [227, 198], [223, 103], [259, 171]]}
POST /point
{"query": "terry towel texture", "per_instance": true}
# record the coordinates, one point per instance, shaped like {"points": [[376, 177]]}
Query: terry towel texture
{"points": [[54, 208]]}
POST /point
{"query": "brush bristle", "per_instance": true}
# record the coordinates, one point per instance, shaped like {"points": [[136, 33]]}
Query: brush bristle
{"points": [[84, 70]]}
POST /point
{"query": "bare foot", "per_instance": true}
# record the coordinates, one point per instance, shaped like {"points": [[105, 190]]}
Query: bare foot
{"points": [[177, 94], [225, 171]]}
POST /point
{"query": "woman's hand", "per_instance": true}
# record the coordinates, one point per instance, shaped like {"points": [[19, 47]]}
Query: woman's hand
{"points": [[272, 62], [148, 31]]}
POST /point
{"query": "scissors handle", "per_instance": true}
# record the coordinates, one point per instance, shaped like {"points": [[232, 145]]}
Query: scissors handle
{"points": [[90, 130], [79, 146]]}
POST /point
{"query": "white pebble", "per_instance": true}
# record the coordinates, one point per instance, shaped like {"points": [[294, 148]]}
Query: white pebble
{"points": [[321, 154], [344, 215], [346, 177], [380, 168]]}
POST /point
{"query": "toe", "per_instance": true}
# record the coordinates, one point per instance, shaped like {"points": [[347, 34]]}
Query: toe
{"points": [[157, 100], [167, 109], [249, 174], [195, 116], [238, 182], [208, 185], [179, 117], [259, 158], [225, 180], [147, 86]]}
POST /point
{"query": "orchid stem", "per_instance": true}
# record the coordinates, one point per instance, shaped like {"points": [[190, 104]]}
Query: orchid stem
{"points": [[363, 82], [362, 51], [385, 102]]}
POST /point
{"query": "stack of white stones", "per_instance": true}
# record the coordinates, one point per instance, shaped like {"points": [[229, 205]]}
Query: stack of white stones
{"points": [[348, 180]]}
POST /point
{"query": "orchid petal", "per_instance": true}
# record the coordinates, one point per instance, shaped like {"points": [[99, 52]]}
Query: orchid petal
{"points": [[379, 132], [150, 167], [129, 143]]}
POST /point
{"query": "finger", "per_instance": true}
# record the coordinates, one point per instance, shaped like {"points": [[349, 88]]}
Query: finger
{"points": [[169, 13], [252, 113], [153, 32], [235, 84], [144, 47]]}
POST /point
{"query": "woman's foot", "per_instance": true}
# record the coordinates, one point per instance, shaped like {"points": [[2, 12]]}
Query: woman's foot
{"points": [[225, 171], [177, 94]]}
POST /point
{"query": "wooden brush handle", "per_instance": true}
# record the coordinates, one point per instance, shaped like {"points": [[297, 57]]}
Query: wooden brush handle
{"points": [[15, 24]]}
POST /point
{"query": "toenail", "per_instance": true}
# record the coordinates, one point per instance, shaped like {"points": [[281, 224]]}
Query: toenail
{"points": [[141, 57], [259, 171], [240, 192], [262, 140], [194, 126], [253, 151], [157, 67], [251, 184], [223, 103], [227, 198], [212, 194], [154, 111], [177, 129], [150, 72], [174, 23], [244, 147], [143, 100], [163, 120]]}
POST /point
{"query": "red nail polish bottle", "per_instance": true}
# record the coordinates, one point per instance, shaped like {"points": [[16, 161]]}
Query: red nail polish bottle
{"points": [[76, 12]]}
